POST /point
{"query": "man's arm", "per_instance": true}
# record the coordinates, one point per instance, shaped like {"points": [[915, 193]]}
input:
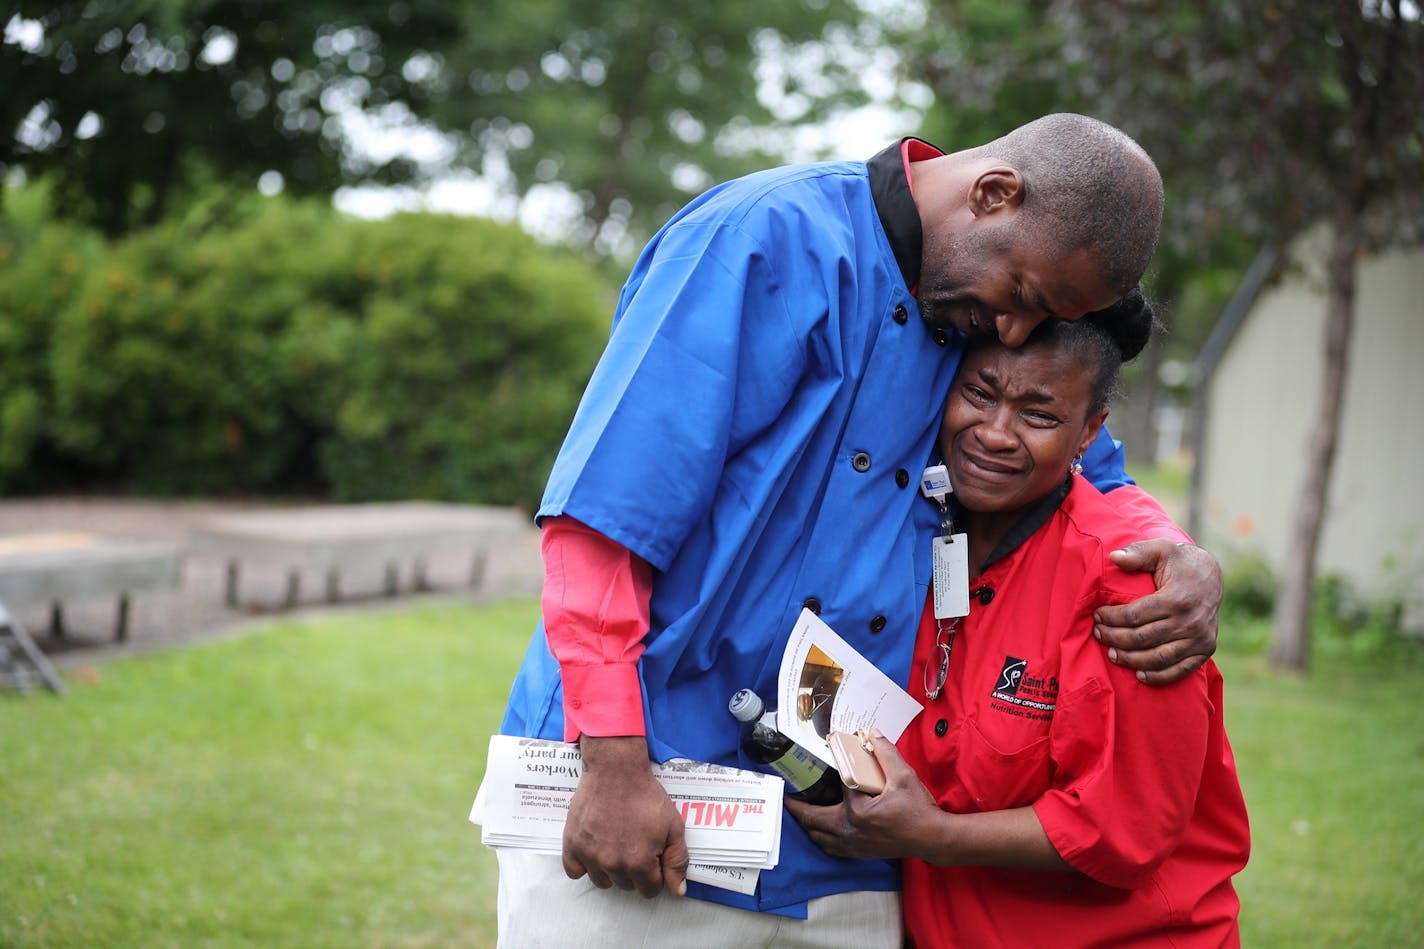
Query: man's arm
{"points": [[595, 608], [1168, 635], [622, 829]]}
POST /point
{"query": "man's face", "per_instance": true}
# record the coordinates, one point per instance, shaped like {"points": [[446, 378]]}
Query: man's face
{"points": [[991, 279]]}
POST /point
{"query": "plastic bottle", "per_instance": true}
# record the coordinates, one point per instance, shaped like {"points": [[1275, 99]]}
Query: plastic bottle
{"points": [[804, 774]]}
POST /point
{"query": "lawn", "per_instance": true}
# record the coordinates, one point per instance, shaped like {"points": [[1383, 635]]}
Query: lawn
{"points": [[1333, 770], [308, 785]]}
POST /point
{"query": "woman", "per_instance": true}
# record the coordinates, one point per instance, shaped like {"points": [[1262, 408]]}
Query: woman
{"points": [[1063, 803]]}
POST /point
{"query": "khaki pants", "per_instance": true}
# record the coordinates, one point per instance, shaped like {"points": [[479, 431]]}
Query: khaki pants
{"points": [[541, 908]]}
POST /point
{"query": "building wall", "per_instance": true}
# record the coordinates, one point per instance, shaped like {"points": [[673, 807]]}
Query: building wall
{"points": [[1263, 398]]}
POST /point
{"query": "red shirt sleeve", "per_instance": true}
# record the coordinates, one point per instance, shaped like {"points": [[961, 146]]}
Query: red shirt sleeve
{"points": [[595, 606], [1127, 764], [1142, 509]]}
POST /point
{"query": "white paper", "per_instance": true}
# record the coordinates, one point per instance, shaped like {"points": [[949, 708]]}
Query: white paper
{"points": [[825, 685], [951, 576], [737, 879], [732, 817]]}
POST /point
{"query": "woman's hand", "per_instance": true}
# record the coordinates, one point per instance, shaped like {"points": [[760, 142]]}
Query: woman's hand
{"points": [[897, 822]]}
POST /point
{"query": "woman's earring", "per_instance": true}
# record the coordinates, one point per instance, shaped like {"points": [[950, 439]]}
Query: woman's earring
{"points": [[1077, 466]]}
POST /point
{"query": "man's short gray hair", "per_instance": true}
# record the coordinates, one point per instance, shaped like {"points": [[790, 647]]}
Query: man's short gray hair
{"points": [[1087, 185]]}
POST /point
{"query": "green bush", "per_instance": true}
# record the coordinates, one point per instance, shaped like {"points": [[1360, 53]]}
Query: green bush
{"points": [[44, 268], [264, 345], [167, 373], [463, 367], [1345, 624], [1249, 589], [1350, 625]]}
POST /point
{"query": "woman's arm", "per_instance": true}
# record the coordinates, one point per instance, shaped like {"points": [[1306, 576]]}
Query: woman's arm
{"points": [[1126, 775], [904, 821]]}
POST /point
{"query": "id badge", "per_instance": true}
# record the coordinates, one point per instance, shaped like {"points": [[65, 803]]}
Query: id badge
{"points": [[951, 576]]}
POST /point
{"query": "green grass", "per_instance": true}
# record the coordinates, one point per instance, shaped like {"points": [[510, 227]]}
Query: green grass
{"points": [[1333, 769], [308, 785]]}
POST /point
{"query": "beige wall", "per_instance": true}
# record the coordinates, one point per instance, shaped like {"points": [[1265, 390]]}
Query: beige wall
{"points": [[1263, 398]]}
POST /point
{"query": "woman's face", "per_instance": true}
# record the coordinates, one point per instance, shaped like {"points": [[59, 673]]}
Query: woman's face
{"points": [[1016, 418]]}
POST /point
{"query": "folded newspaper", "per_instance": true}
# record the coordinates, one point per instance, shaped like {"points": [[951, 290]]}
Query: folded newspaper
{"points": [[733, 817]]}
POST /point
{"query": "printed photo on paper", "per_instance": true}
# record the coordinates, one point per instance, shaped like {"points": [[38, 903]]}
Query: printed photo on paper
{"points": [[829, 686]]}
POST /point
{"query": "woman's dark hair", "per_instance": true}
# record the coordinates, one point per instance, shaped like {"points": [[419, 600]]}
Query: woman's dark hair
{"points": [[1103, 339], [1129, 323]]}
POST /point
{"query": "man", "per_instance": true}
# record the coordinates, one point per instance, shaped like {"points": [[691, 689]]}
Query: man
{"points": [[749, 445]]}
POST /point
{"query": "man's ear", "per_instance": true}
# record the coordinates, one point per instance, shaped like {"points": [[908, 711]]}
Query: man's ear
{"points": [[1000, 188]]}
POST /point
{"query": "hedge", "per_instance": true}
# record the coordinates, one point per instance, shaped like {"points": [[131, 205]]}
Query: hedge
{"points": [[270, 346]]}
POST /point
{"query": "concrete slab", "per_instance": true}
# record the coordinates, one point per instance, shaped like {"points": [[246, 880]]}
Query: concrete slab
{"points": [[338, 538], [195, 611], [56, 567]]}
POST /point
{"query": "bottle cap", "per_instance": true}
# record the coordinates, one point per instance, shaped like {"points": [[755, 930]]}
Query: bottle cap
{"points": [[746, 706]]}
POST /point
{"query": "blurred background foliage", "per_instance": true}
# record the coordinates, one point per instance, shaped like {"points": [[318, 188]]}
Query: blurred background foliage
{"points": [[182, 311], [632, 105], [165, 330], [133, 108], [267, 345]]}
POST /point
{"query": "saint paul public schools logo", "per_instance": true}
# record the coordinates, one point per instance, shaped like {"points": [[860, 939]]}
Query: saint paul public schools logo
{"points": [[1011, 675], [1034, 696]]}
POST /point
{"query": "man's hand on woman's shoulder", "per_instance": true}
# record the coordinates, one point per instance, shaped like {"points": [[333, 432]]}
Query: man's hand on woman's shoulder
{"points": [[1171, 633]]}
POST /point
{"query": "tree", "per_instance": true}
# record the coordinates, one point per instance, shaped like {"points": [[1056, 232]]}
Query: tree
{"points": [[636, 106], [996, 64], [129, 106], [1265, 116], [633, 106], [1276, 115]]}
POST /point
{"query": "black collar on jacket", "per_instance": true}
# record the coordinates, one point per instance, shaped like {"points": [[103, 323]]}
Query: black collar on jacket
{"points": [[1035, 517], [890, 189]]}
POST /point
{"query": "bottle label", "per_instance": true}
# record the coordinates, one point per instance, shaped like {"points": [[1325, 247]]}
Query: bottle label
{"points": [[799, 768]]}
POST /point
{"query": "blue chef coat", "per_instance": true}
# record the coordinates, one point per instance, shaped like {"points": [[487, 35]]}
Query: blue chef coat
{"points": [[756, 430]]}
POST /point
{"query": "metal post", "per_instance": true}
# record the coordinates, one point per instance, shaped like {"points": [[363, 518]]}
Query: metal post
{"points": [[230, 590], [121, 628]]}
